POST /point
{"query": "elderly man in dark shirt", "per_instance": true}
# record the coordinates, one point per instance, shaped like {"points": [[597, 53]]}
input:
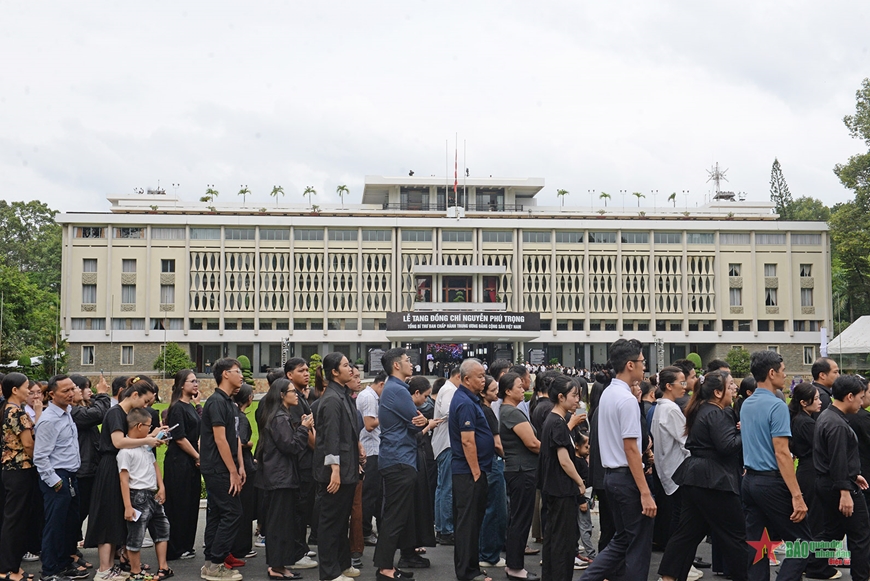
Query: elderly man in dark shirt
{"points": [[838, 466]]}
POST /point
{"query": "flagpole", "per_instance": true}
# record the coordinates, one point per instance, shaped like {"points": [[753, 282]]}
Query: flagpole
{"points": [[456, 169], [446, 173], [465, 165]]}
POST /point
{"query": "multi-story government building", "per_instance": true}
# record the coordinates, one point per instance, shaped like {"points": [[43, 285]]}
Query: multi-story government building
{"points": [[483, 271]]}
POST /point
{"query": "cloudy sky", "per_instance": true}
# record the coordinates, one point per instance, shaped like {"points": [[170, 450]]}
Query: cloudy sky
{"points": [[98, 98]]}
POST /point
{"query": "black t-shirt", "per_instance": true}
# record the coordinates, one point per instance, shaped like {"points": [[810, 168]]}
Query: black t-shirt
{"points": [[543, 407], [245, 437], [115, 421], [185, 415], [860, 423], [219, 410], [551, 476], [491, 419]]}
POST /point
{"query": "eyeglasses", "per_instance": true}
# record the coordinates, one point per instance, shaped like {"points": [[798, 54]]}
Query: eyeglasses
{"points": [[148, 425], [641, 361], [683, 383], [239, 371]]}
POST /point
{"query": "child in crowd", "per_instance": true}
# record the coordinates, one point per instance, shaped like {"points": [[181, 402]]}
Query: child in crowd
{"points": [[143, 494], [584, 518]]}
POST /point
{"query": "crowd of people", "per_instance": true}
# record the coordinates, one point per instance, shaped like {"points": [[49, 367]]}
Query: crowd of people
{"points": [[470, 461]]}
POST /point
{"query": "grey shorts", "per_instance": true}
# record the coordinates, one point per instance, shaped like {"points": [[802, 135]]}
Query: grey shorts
{"points": [[152, 519]]}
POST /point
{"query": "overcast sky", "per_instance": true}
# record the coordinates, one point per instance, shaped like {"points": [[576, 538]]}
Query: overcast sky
{"points": [[97, 98]]}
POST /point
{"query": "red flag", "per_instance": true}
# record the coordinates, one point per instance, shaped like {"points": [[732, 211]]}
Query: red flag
{"points": [[455, 172]]}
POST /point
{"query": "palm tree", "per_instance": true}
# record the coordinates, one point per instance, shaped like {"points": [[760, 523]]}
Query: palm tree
{"points": [[275, 191], [604, 196], [244, 192], [342, 191], [673, 198], [638, 195], [309, 191], [562, 194], [210, 194]]}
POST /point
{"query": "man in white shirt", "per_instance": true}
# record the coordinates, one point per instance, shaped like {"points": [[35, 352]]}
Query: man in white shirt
{"points": [[627, 555], [443, 455], [370, 437]]}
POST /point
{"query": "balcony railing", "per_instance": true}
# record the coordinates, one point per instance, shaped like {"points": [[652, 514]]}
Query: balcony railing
{"points": [[438, 207]]}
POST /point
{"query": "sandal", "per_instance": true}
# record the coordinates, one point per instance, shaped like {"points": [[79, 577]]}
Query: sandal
{"points": [[165, 573], [80, 562], [420, 550], [482, 577], [277, 576], [141, 576]]}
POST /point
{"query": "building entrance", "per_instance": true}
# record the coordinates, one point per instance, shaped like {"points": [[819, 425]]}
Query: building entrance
{"points": [[439, 359]]}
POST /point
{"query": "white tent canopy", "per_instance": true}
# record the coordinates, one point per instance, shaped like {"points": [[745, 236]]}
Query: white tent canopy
{"points": [[854, 340]]}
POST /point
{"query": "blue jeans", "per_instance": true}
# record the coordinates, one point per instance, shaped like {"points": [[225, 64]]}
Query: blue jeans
{"points": [[62, 525], [494, 528], [444, 494]]}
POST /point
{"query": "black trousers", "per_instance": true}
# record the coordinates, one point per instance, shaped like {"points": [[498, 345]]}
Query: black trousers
{"points": [[521, 509], [333, 546], [705, 511], [372, 496], [806, 477], [61, 519], [183, 487], [469, 507], [221, 518], [33, 544], [281, 546], [86, 485], [399, 487], [244, 538], [302, 509], [560, 539], [627, 555], [18, 489], [855, 528]]}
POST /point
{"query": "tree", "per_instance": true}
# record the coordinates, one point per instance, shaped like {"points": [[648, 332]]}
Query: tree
{"points": [[309, 191], [673, 199], [247, 372], [738, 361], [30, 241], [276, 191], [808, 209], [638, 195], [779, 193], [210, 195], [175, 359], [562, 194], [604, 196], [314, 363], [696, 360], [342, 191], [244, 193]]}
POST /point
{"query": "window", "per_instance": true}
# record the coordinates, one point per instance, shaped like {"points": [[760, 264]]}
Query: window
{"points": [[809, 354], [377, 235], [416, 236], [167, 265], [128, 294], [239, 234], [561, 325], [774, 348], [735, 297], [307, 234], [610, 325], [770, 297], [128, 265], [167, 233], [806, 270], [770, 239], [536, 237], [727, 325], [274, 234], [129, 232], [668, 238], [806, 297], [769, 270], [734, 269], [89, 294], [126, 355], [635, 238], [89, 265], [316, 324], [205, 233], [333, 324], [90, 232], [300, 325], [87, 354], [732, 239], [699, 237], [457, 236], [79, 324], [779, 326], [763, 326], [641, 326], [98, 324], [806, 239], [167, 294], [569, 237], [744, 325], [343, 235], [498, 236], [602, 237]]}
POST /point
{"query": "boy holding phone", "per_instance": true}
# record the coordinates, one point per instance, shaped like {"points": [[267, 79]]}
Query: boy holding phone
{"points": [[143, 494]]}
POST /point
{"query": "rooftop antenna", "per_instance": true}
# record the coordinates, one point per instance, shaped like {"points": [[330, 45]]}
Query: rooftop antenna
{"points": [[716, 176]]}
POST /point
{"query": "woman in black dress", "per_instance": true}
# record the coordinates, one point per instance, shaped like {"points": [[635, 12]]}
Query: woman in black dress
{"points": [[106, 525], [804, 403], [181, 467]]}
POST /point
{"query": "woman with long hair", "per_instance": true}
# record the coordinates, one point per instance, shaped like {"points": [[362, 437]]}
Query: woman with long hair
{"points": [[243, 547], [277, 453], [804, 403], [709, 482], [19, 475], [107, 528], [493, 530], [747, 387], [181, 475]]}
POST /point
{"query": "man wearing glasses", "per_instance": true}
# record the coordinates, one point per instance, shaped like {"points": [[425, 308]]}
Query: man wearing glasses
{"points": [[628, 553]]}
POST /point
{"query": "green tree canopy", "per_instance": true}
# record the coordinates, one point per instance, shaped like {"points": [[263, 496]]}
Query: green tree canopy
{"points": [[779, 192], [247, 372], [738, 361], [808, 209], [176, 359]]}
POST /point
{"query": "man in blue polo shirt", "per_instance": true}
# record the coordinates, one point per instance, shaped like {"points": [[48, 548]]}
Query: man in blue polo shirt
{"points": [[473, 447], [772, 499], [400, 422]]}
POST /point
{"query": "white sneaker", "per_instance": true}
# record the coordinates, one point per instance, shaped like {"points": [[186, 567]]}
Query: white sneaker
{"points": [[579, 564], [351, 572], [305, 563], [107, 575], [342, 578], [260, 542], [694, 574], [501, 563], [147, 543], [30, 557], [311, 554], [218, 572]]}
